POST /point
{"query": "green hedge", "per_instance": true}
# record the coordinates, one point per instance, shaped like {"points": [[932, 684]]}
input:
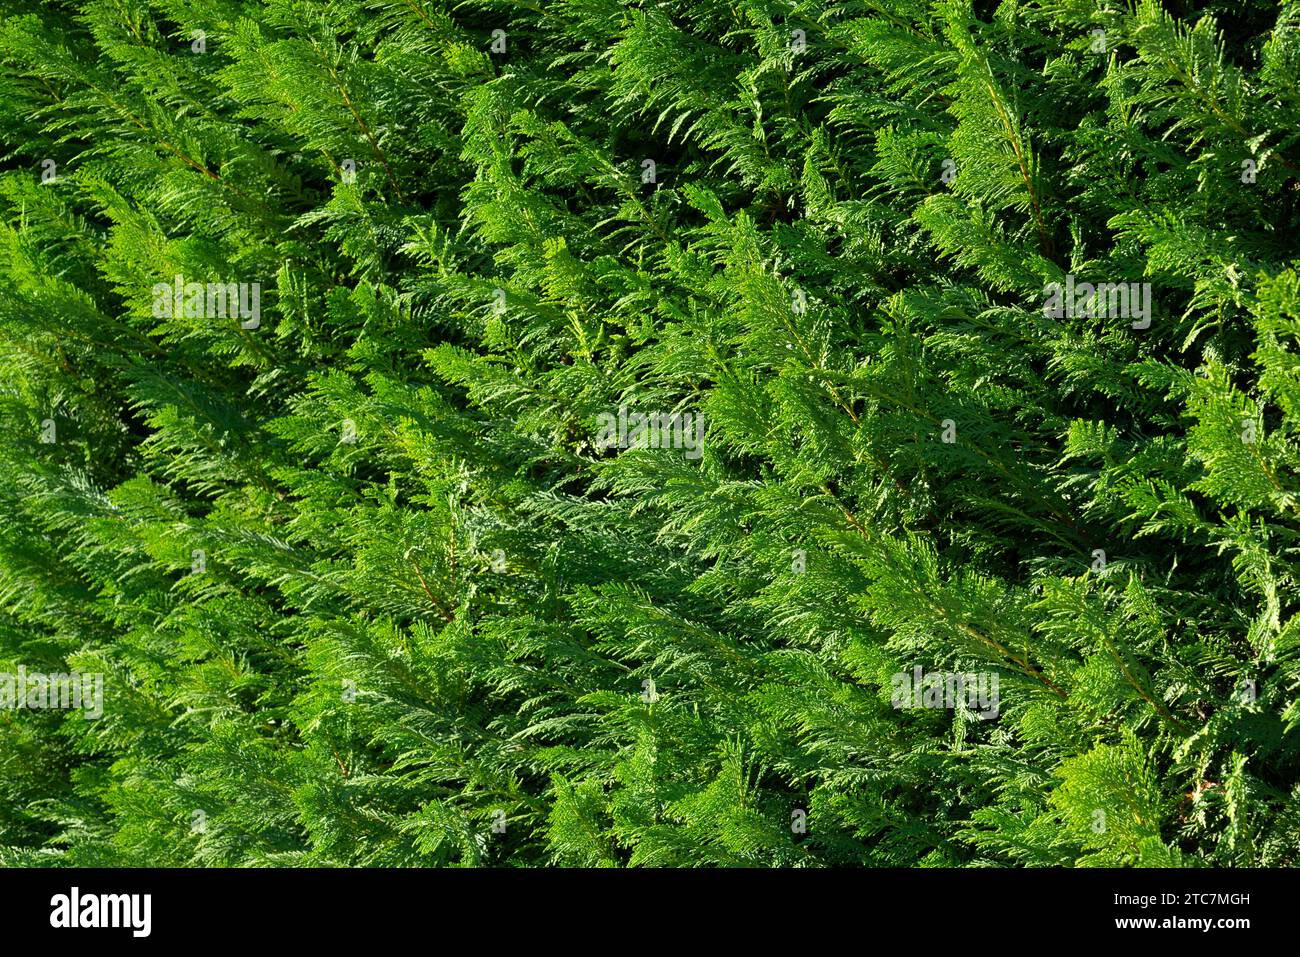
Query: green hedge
{"points": [[564, 432]]}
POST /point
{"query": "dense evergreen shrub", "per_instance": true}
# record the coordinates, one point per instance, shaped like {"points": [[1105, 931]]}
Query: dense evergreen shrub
{"points": [[379, 565]]}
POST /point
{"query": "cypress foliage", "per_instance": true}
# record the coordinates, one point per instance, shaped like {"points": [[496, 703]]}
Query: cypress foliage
{"points": [[325, 331]]}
